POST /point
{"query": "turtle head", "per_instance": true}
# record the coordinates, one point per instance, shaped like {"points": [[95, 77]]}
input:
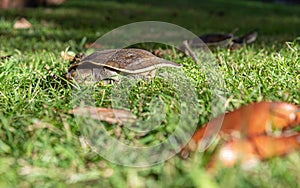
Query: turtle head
{"points": [[91, 75]]}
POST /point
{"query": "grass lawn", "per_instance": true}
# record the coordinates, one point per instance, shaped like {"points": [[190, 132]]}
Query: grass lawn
{"points": [[41, 144]]}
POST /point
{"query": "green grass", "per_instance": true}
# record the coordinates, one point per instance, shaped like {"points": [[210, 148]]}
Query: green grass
{"points": [[40, 142]]}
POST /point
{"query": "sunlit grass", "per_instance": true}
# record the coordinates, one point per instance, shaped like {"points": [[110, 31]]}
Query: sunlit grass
{"points": [[40, 142]]}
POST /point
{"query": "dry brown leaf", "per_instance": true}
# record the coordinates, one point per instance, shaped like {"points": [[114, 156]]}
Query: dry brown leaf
{"points": [[105, 114], [54, 2], [163, 52], [93, 45], [66, 56], [6, 4], [22, 24]]}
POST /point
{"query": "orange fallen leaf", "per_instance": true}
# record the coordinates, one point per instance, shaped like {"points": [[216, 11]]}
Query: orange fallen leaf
{"points": [[253, 119], [236, 151], [251, 133], [22, 24], [105, 114], [248, 152]]}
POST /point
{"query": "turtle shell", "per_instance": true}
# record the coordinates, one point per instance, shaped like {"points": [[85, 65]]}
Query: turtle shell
{"points": [[247, 38], [131, 61], [214, 39]]}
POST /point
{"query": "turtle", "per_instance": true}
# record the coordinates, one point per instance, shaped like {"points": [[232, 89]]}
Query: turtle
{"points": [[224, 40], [238, 42], [214, 40], [108, 64]]}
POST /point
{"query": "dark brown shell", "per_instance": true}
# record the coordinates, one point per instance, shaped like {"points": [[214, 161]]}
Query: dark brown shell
{"points": [[127, 60]]}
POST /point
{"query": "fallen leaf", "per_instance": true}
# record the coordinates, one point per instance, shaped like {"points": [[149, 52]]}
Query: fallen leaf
{"points": [[7, 4], [67, 55], [163, 52], [54, 2], [105, 114], [93, 45], [250, 134], [22, 24]]}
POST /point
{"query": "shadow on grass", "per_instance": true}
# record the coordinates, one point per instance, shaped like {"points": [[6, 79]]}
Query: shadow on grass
{"points": [[77, 19]]}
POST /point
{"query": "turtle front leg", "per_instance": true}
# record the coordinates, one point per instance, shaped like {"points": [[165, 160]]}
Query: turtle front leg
{"points": [[103, 74]]}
